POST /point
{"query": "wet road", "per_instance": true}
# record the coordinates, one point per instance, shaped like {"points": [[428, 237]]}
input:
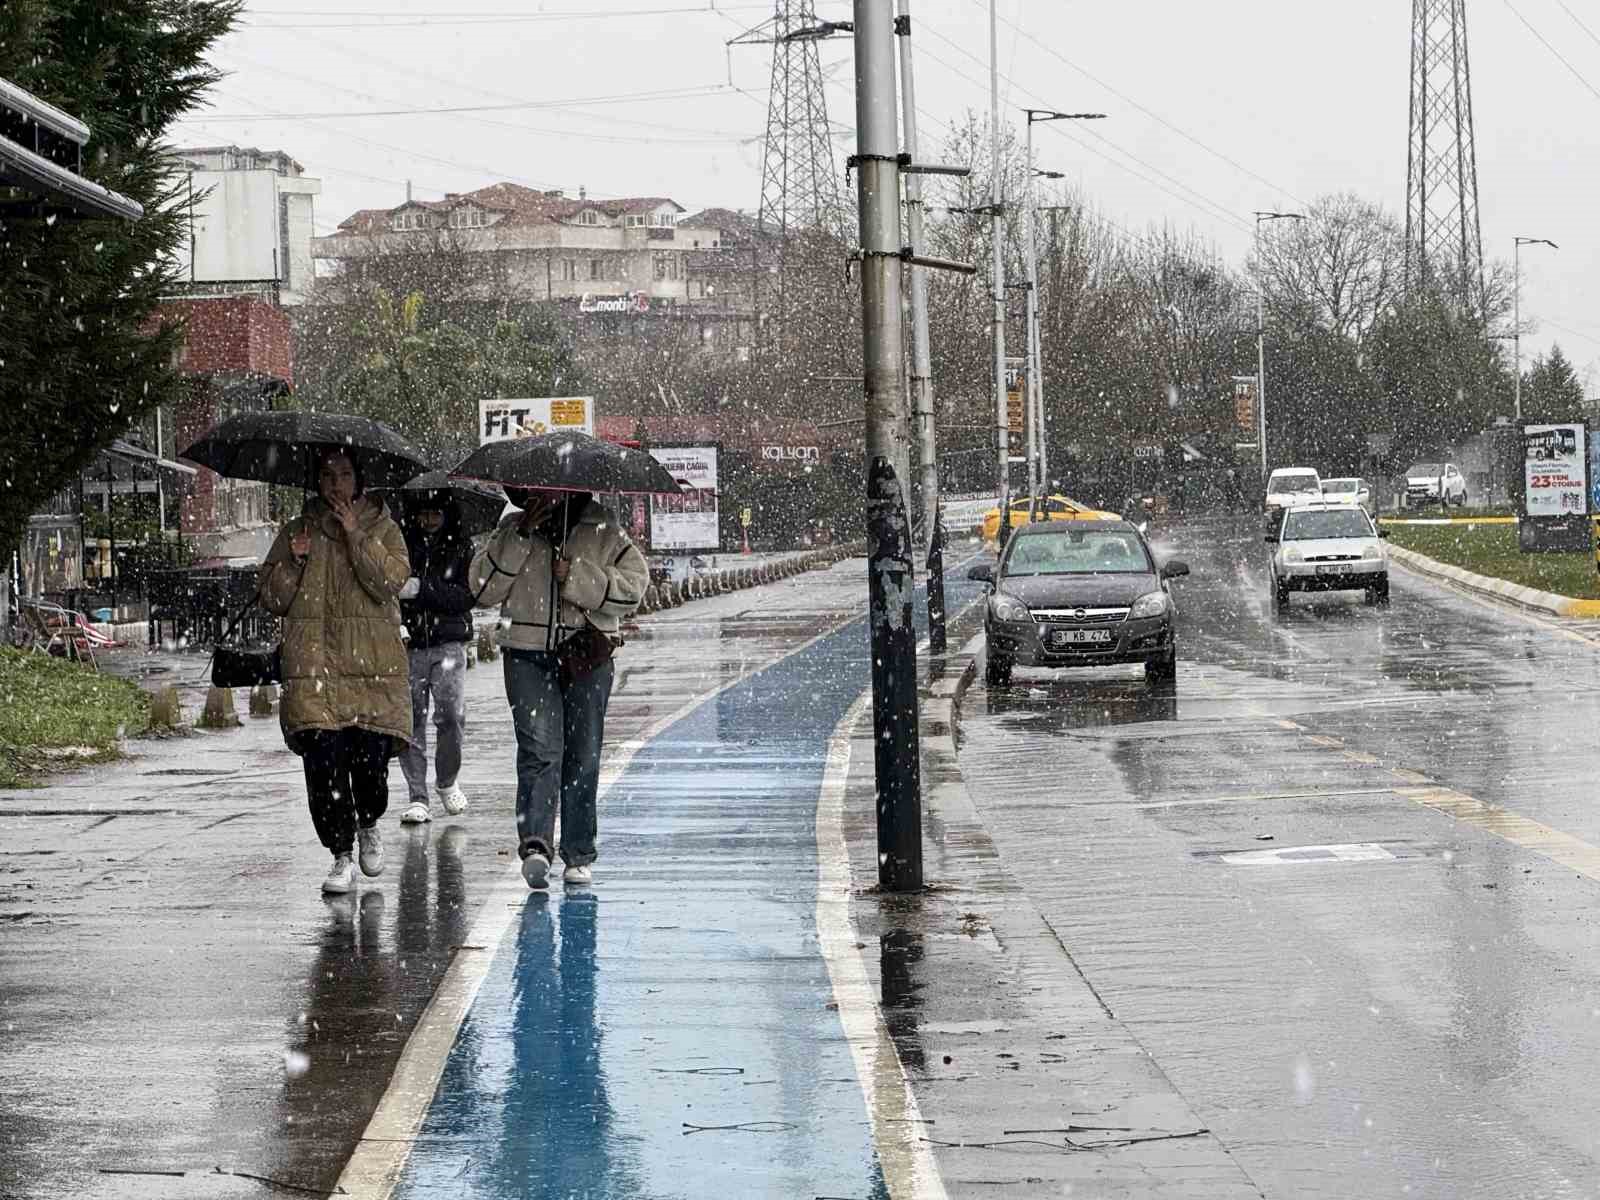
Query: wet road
{"points": [[1341, 883]]}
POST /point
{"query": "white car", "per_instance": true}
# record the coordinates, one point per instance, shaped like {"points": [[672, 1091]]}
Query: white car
{"points": [[1328, 548], [1348, 491], [1439, 483], [1288, 487]]}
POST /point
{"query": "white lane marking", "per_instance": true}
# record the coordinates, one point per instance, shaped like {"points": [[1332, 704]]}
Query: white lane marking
{"points": [[909, 1170], [1293, 856], [374, 1168]]}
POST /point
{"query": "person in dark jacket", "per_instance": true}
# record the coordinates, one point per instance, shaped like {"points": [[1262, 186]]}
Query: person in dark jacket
{"points": [[437, 607]]}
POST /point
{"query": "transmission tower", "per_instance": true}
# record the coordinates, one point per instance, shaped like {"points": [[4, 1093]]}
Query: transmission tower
{"points": [[799, 189], [1442, 233]]}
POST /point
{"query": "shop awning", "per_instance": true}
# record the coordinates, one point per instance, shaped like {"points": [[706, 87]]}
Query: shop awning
{"points": [[28, 170]]}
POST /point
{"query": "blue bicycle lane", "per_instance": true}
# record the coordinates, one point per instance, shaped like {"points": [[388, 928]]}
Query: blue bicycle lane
{"points": [[672, 1032]]}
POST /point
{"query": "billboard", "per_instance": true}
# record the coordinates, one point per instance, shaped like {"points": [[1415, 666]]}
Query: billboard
{"points": [[1244, 403], [234, 232], [690, 521], [1554, 470], [500, 420]]}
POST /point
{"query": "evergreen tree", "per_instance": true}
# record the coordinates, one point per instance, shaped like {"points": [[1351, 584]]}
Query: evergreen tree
{"points": [[1551, 392], [81, 353]]}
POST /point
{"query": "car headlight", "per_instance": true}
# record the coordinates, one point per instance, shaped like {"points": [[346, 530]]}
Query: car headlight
{"points": [[1373, 551], [1291, 554], [1151, 604], [1008, 608]]}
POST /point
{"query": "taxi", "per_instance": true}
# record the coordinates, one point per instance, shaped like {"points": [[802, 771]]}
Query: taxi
{"points": [[1051, 508]]}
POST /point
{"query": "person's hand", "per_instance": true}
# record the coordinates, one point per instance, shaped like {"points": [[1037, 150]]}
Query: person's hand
{"points": [[538, 509], [346, 513], [410, 588], [561, 568], [300, 544]]}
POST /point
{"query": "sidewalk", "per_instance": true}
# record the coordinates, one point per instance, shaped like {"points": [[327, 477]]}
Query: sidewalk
{"points": [[175, 993]]}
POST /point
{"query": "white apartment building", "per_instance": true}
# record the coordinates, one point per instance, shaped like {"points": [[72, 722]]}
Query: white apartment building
{"points": [[632, 255]]}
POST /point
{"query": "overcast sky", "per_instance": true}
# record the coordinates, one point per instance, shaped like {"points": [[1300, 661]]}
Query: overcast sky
{"points": [[1216, 109]]}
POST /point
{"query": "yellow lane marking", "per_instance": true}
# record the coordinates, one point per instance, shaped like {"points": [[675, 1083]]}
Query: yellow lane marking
{"points": [[1558, 847], [1523, 832]]}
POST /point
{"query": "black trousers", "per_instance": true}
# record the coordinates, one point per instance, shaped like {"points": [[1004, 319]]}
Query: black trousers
{"points": [[347, 781]]}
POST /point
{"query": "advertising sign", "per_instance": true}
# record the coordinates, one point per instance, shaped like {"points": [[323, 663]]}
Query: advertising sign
{"points": [[1244, 403], [689, 521], [499, 420], [629, 302], [1554, 458]]}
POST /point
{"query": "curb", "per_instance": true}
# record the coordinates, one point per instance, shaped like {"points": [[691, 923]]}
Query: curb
{"points": [[1548, 603]]}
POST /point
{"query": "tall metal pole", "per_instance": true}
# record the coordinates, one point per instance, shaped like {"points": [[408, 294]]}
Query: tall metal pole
{"points": [[921, 351], [889, 564], [997, 280], [1033, 323], [1261, 365], [1516, 322]]}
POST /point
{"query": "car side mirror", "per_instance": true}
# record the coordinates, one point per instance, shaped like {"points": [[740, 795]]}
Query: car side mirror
{"points": [[1383, 533], [1174, 570], [1271, 539], [983, 573]]}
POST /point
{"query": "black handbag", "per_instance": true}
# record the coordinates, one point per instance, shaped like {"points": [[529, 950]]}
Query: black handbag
{"points": [[582, 653], [245, 666]]}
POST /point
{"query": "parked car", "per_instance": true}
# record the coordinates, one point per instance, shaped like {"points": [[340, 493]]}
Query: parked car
{"points": [[1051, 508], [1349, 491], [1438, 483], [1289, 486], [1088, 594], [1328, 548]]}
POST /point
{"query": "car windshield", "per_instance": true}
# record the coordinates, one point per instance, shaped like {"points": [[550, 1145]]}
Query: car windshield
{"points": [[1336, 523], [1294, 483], [1092, 551], [1339, 485], [1426, 469]]}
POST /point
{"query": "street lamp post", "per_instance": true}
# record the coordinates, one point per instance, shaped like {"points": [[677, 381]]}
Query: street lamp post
{"points": [[1261, 331], [1516, 301], [1036, 448]]}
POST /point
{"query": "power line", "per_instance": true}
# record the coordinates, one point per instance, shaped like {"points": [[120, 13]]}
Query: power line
{"points": [[580, 101], [1576, 74], [1594, 37], [1152, 114], [1200, 201], [434, 20]]}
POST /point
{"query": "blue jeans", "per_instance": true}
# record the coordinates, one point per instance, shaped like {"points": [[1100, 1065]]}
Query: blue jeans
{"points": [[559, 734]]}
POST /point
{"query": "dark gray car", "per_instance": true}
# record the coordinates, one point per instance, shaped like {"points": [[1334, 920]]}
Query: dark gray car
{"points": [[1079, 594]]}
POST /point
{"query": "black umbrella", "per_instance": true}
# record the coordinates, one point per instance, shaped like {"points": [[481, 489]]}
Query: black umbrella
{"points": [[283, 447], [480, 504], [567, 462]]}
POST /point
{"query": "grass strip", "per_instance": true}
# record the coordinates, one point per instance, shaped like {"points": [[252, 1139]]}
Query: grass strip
{"points": [[1492, 550], [49, 704]]}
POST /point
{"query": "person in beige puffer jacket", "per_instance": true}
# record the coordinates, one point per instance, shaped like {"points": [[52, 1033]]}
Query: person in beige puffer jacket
{"points": [[334, 574], [564, 574]]}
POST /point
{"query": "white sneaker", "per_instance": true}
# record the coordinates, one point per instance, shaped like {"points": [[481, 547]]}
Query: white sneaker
{"points": [[416, 813], [453, 799], [370, 841], [342, 878], [574, 876], [536, 871]]}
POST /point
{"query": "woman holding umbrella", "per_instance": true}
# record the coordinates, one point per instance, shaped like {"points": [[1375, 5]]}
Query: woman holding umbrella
{"points": [[334, 575], [565, 575]]}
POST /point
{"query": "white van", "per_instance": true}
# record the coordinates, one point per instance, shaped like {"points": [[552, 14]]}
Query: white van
{"points": [[1289, 487]]}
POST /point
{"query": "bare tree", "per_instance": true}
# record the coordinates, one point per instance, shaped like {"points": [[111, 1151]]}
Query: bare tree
{"points": [[1341, 268]]}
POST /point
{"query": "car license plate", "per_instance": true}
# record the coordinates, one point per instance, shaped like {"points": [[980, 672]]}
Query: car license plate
{"points": [[1331, 569], [1079, 637]]}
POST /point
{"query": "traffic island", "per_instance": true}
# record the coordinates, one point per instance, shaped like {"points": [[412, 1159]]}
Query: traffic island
{"points": [[1483, 558]]}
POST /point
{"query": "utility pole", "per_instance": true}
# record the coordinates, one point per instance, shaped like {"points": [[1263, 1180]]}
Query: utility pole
{"points": [[1037, 457], [997, 281], [889, 561], [1261, 336], [1516, 301], [921, 353]]}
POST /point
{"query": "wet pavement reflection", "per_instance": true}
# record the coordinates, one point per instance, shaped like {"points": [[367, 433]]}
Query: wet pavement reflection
{"points": [[1266, 877]]}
